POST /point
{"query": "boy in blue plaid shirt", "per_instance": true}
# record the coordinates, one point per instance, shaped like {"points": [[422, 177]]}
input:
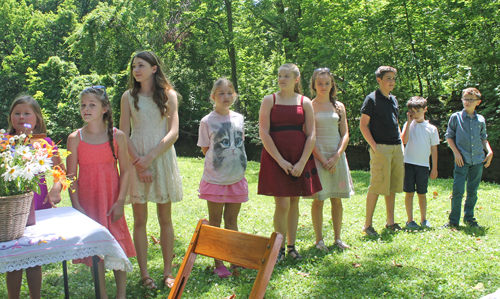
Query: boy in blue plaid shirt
{"points": [[466, 136]]}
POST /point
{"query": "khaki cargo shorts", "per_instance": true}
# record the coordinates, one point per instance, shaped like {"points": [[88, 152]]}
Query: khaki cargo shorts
{"points": [[386, 169]]}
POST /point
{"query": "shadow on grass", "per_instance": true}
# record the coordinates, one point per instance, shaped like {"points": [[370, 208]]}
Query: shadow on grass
{"points": [[478, 232], [470, 231], [387, 236], [371, 279]]}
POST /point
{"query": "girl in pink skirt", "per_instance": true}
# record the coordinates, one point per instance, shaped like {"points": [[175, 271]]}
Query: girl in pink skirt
{"points": [[223, 184]]}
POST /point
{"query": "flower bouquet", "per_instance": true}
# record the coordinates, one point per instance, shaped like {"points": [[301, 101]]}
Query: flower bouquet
{"points": [[23, 162]]}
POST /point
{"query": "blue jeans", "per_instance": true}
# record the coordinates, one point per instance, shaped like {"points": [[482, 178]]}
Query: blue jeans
{"points": [[472, 174]]}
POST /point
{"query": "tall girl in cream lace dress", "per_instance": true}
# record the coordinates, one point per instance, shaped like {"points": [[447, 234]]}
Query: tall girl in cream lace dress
{"points": [[149, 109]]}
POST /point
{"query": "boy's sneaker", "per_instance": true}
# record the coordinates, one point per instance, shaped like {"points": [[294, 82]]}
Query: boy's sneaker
{"points": [[449, 225], [412, 225], [370, 231], [394, 227], [472, 223], [426, 224]]}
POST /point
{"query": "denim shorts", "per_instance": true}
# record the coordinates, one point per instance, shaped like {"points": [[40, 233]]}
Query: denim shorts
{"points": [[416, 175]]}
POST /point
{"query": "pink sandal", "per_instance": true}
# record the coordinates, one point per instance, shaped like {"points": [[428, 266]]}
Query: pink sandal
{"points": [[222, 271]]}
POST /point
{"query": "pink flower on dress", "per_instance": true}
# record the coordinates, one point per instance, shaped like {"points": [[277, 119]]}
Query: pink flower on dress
{"points": [[342, 184]]}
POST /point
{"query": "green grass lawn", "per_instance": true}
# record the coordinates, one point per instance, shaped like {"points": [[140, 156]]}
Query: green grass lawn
{"points": [[432, 263]]}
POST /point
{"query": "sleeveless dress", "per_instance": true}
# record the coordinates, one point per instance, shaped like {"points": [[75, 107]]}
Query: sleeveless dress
{"points": [[148, 129], [98, 182], [286, 131], [339, 184]]}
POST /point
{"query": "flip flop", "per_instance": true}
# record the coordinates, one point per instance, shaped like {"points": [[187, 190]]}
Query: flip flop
{"points": [[169, 280]]}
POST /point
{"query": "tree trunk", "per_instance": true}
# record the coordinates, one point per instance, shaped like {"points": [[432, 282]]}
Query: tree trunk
{"points": [[232, 51], [417, 69]]}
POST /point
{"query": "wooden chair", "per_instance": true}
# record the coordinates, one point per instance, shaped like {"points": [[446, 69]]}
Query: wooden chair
{"points": [[241, 249]]}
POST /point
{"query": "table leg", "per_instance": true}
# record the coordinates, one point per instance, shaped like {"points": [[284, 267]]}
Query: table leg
{"points": [[95, 262], [65, 276]]}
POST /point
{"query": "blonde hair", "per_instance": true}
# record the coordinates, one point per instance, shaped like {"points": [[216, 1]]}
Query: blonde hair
{"points": [[472, 91], [40, 123], [295, 69], [223, 82]]}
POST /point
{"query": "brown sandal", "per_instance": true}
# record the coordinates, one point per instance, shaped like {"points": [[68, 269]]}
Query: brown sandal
{"points": [[149, 283], [169, 280]]}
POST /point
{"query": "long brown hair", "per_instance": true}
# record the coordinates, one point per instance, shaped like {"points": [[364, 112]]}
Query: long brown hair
{"points": [[40, 123], [295, 69], [100, 93], [333, 90], [161, 84]]}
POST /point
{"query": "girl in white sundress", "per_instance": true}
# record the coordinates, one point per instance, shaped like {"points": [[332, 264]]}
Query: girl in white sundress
{"points": [[332, 137], [149, 109]]}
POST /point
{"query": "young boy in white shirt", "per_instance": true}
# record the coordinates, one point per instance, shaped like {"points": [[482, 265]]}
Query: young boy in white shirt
{"points": [[421, 140]]}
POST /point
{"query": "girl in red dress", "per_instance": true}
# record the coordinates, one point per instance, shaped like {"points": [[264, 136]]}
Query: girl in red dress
{"points": [[287, 168]]}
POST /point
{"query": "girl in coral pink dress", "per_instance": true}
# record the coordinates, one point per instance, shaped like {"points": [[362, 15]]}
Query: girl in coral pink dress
{"points": [[99, 190]]}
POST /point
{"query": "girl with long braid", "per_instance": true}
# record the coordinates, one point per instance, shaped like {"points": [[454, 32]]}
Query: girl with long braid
{"points": [[332, 137], [99, 191]]}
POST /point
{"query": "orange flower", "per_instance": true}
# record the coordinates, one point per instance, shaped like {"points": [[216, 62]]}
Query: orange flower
{"points": [[60, 176], [65, 183], [3, 144]]}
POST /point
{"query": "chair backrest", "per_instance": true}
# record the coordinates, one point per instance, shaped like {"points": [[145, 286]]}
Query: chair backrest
{"points": [[238, 248]]}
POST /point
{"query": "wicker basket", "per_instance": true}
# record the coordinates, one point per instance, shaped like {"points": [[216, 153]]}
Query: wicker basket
{"points": [[14, 211]]}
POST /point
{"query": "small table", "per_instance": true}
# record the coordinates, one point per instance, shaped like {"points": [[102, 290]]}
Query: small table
{"points": [[59, 235]]}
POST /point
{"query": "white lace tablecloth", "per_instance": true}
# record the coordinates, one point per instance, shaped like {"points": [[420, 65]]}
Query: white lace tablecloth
{"points": [[62, 234]]}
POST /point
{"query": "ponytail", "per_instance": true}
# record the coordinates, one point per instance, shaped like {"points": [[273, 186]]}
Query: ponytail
{"points": [[295, 69]]}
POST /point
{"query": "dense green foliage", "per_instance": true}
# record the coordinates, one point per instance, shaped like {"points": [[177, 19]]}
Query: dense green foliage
{"points": [[53, 49]]}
